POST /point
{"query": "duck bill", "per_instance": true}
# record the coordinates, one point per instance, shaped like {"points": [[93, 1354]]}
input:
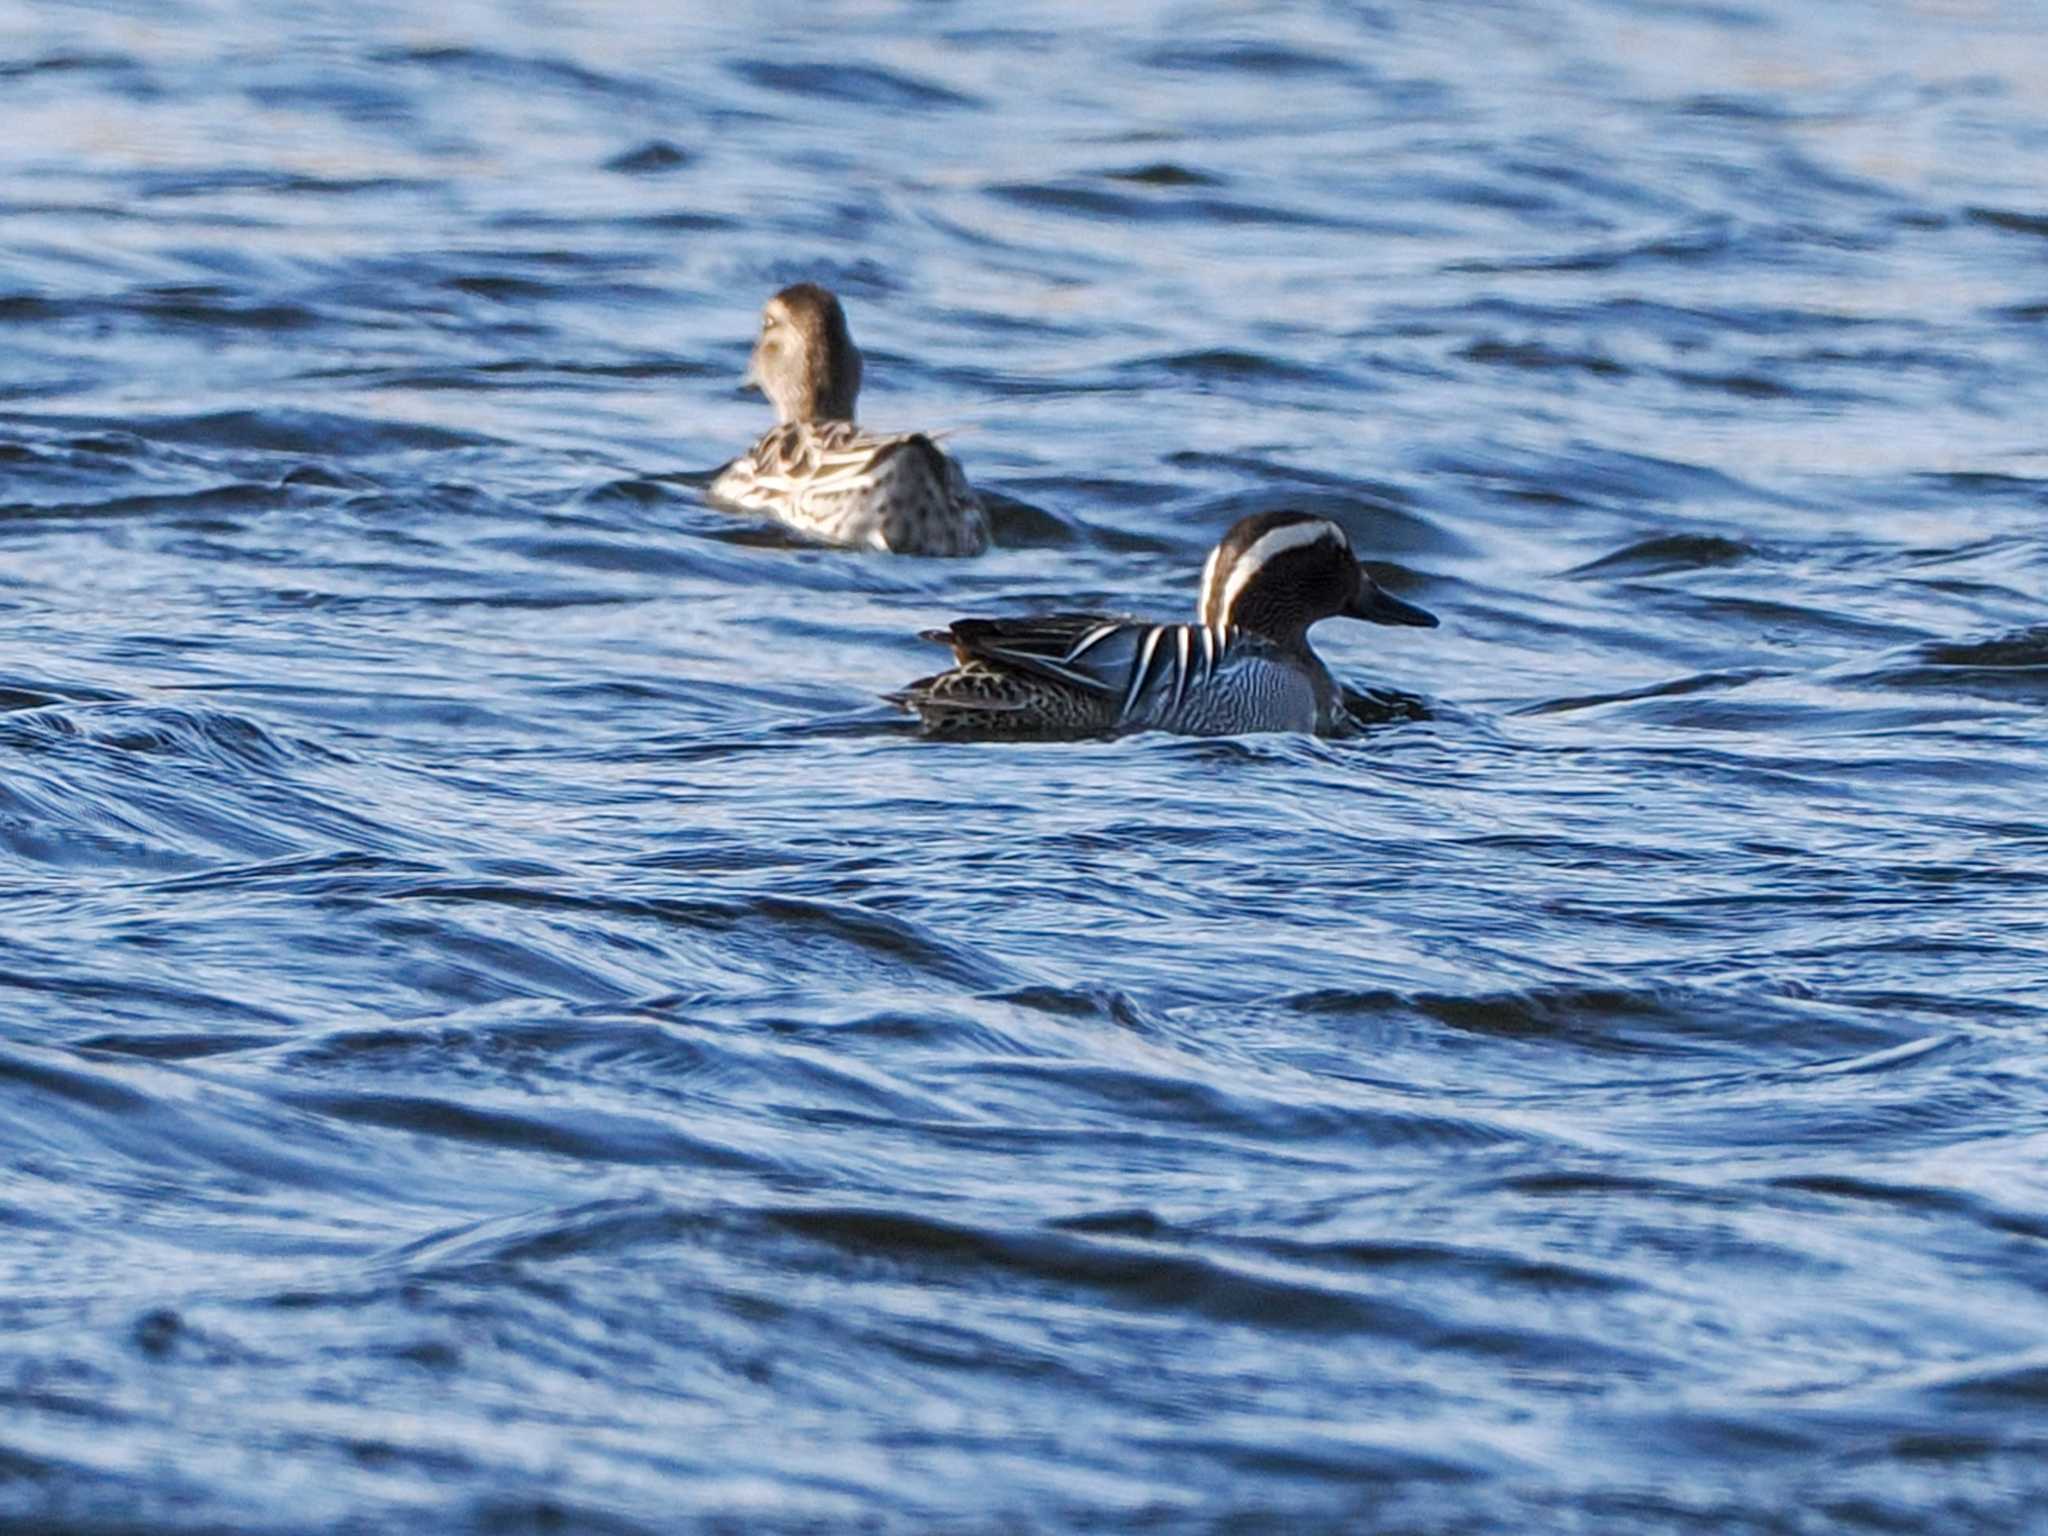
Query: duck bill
{"points": [[1377, 607], [751, 379]]}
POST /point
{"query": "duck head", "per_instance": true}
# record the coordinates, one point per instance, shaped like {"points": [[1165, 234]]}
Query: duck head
{"points": [[1276, 573], [805, 361]]}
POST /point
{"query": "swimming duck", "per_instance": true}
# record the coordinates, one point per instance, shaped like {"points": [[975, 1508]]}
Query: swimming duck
{"points": [[821, 474], [1245, 665]]}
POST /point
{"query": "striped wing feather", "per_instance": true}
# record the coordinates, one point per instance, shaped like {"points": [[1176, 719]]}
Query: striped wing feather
{"points": [[1147, 668], [1089, 674], [1079, 649]]}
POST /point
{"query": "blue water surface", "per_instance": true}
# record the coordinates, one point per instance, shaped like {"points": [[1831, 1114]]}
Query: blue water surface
{"points": [[501, 1030]]}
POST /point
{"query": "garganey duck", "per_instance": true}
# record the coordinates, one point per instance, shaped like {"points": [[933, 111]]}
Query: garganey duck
{"points": [[1245, 665], [824, 476]]}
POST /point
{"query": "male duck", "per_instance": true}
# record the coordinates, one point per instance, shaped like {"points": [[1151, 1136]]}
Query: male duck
{"points": [[1245, 666], [821, 474]]}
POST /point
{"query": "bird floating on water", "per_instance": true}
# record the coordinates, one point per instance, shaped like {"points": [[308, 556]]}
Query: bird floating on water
{"points": [[1244, 665], [826, 477]]}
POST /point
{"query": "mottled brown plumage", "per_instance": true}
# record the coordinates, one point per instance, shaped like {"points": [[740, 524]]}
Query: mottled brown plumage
{"points": [[823, 475]]}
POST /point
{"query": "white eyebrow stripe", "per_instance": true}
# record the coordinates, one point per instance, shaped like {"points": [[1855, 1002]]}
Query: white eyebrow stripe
{"points": [[1268, 546], [1208, 597]]}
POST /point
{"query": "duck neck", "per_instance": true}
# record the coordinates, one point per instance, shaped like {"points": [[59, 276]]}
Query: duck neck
{"points": [[820, 400], [1278, 624]]}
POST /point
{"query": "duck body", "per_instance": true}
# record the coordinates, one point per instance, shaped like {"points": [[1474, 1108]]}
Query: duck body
{"points": [[841, 484], [1245, 666], [1085, 674], [826, 477]]}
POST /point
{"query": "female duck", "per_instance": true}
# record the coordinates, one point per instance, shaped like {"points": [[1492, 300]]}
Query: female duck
{"points": [[821, 474], [1246, 665]]}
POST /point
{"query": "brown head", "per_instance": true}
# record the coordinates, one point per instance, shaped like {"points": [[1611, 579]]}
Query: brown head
{"points": [[1276, 573], [805, 361]]}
